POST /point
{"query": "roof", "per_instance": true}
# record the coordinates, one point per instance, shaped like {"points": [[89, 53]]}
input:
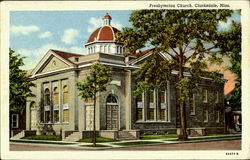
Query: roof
{"points": [[105, 33], [66, 55], [141, 53], [107, 16]]}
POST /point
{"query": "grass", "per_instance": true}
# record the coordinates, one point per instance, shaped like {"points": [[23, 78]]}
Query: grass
{"points": [[135, 143], [40, 142], [205, 138], [97, 145], [44, 137], [98, 140], [158, 136]]}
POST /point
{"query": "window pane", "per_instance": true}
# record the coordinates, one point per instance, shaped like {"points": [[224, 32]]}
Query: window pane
{"points": [[47, 116], [47, 97], [151, 113], [65, 97], [163, 114], [89, 100], [204, 95], [65, 115], [56, 116], [139, 114], [162, 97], [56, 98], [151, 96], [139, 98]]}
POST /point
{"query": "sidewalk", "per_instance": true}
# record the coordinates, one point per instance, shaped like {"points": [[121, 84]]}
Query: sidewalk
{"points": [[107, 145]]}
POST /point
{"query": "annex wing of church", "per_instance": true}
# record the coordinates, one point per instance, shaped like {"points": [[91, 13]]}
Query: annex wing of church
{"points": [[57, 108]]}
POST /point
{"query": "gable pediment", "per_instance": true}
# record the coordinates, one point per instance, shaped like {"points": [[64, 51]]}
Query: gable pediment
{"points": [[51, 62], [142, 59]]}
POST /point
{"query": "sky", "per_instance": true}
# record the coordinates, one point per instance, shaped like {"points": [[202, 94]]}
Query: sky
{"points": [[33, 33]]}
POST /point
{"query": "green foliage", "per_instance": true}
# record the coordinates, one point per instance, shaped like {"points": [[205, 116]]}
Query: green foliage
{"points": [[97, 80], [230, 43], [19, 83], [188, 37], [44, 137], [136, 143], [165, 136], [98, 140]]}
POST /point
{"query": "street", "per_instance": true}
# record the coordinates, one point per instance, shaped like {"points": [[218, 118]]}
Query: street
{"points": [[212, 145]]}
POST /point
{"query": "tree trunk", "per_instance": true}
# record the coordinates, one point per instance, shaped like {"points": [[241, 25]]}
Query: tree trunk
{"points": [[182, 110], [94, 132]]}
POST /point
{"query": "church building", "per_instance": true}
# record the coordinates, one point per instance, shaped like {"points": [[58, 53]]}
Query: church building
{"points": [[57, 108]]}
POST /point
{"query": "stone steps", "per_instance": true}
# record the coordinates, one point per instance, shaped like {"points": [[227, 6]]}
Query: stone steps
{"points": [[125, 135], [73, 137], [18, 135]]}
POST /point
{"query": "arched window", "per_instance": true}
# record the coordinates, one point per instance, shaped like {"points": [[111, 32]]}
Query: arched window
{"points": [[47, 113], [32, 105], [56, 104], [111, 99], [65, 104]]}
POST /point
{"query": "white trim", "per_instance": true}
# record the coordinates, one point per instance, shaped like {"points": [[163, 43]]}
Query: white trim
{"points": [[133, 62], [40, 74], [45, 59]]}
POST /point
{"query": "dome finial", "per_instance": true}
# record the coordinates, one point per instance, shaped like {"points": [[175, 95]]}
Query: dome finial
{"points": [[107, 20]]}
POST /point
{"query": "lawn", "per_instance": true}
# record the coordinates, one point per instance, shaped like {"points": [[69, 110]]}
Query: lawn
{"points": [[98, 140], [97, 145], [135, 143], [44, 137], [207, 138], [165, 136]]}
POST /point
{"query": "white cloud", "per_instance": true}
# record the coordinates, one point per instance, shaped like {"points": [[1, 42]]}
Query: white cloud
{"points": [[46, 34], [33, 56], [24, 30], [70, 35], [95, 23]]}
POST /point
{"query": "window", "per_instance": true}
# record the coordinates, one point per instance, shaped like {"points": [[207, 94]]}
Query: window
{"points": [[89, 100], [217, 116], [151, 96], [204, 95], [56, 104], [47, 112], [151, 109], [205, 115], [117, 49], [65, 104], [139, 108], [105, 49], [216, 97], [163, 106], [192, 105], [14, 121], [101, 49], [120, 50]]}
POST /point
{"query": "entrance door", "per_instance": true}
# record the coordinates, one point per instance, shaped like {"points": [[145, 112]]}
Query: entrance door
{"points": [[89, 114], [112, 113]]}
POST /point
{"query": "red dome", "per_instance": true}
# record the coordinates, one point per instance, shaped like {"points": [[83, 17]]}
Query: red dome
{"points": [[105, 33]]}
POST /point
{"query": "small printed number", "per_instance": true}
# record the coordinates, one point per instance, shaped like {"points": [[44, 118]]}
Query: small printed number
{"points": [[232, 153]]}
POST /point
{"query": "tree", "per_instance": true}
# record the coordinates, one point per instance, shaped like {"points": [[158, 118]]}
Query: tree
{"points": [[19, 83], [96, 82], [230, 43], [186, 37]]}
